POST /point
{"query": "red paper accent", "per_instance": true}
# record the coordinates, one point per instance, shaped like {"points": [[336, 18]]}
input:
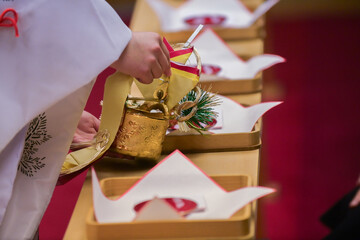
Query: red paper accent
{"points": [[212, 123], [11, 22], [205, 20], [208, 124], [181, 205], [175, 53], [193, 70], [181, 52], [210, 69], [168, 46]]}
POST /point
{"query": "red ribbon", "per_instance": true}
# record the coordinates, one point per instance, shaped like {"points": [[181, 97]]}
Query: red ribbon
{"points": [[8, 21], [173, 53]]}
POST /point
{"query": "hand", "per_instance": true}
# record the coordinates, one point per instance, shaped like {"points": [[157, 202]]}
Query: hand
{"points": [[87, 128], [356, 200], [145, 57]]}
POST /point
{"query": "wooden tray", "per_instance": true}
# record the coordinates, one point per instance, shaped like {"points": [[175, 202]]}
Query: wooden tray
{"points": [[236, 226], [213, 142], [227, 87], [255, 31], [145, 19], [247, 49]]}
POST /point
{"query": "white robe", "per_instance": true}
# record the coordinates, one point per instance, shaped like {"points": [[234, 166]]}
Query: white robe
{"points": [[47, 74]]}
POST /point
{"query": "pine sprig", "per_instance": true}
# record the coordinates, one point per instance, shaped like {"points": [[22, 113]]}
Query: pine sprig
{"points": [[205, 113]]}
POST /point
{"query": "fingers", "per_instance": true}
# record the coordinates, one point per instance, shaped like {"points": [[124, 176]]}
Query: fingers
{"points": [[165, 61], [164, 49], [161, 63], [356, 200], [164, 64], [156, 70], [146, 76], [96, 123], [87, 128], [145, 57]]}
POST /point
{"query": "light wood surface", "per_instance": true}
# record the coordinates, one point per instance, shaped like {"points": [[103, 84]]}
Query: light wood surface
{"points": [[227, 87], [247, 48], [246, 99]]}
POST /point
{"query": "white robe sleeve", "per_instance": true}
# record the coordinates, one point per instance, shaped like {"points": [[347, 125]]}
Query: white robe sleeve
{"points": [[47, 73], [62, 46]]}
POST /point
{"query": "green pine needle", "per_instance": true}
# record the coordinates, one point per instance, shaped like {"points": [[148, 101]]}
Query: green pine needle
{"points": [[205, 113]]}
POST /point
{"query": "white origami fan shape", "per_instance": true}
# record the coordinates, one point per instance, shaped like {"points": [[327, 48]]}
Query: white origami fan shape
{"points": [[237, 118], [226, 13], [215, 52], [175, 176], [234, 117]]}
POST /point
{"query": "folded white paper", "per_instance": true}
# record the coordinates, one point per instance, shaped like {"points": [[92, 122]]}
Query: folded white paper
{"points": [[224, 13], [220, 61], [239, 119], [174, 176], [235, 118], [158, 209]]}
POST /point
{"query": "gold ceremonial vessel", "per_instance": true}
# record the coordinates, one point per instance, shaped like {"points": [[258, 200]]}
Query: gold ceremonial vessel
{"points": [[145, 122], [142, 133]]}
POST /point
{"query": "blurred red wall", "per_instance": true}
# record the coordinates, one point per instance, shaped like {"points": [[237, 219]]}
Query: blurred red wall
{"points": [[311, 149]]}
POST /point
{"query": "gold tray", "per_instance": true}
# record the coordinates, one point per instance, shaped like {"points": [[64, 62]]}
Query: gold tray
{"points": [[236, 226]]}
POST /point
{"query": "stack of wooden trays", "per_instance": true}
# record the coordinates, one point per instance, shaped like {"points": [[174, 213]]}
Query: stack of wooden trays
{"points": [[232, 160], [237, 225], [213, 142], [246, 43]]}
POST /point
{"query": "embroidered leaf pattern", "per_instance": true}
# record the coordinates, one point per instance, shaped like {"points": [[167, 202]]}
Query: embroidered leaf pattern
{"points": [[35, 136]]}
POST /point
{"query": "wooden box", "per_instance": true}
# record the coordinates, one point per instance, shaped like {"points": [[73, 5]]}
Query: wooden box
{"points": [[213, 142], [246, 99], [247, 49], [228, 87], [145, 19], [238, 226]]}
